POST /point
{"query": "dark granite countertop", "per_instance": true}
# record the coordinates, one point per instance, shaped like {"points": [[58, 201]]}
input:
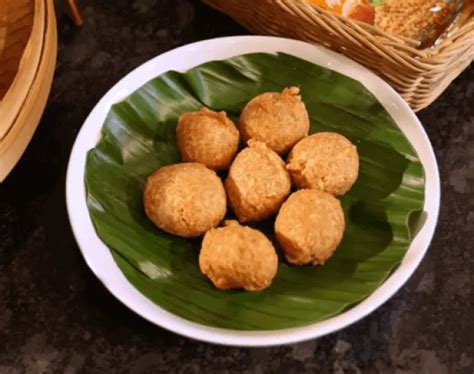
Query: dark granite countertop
{"points": [[56, 317]]}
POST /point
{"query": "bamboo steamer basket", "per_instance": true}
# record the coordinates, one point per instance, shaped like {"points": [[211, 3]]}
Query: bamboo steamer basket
{"points": [[28, 48], [419, 75]]}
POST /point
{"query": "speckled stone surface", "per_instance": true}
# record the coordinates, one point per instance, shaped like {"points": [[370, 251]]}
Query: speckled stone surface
{"points": [[56, 317]]}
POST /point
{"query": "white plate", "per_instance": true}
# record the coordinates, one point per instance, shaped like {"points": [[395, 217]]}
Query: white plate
{"points": [[99, 258]]}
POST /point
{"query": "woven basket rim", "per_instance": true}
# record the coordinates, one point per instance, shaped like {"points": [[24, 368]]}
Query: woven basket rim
{"points": [[419, 74]]}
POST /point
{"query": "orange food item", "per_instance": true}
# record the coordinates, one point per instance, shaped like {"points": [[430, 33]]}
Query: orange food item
{"points": [[309, 227], [279, 120], [236, 256], [185, 199], [325, 161], [359, 10], [333, 6], [258, 183], [207, 137]]}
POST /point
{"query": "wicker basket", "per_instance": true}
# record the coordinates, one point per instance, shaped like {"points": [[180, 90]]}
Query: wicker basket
{"points": [[28, 46], [419, 75]]}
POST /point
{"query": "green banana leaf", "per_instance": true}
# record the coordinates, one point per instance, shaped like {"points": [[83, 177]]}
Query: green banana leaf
{"points": [[138, 136]]}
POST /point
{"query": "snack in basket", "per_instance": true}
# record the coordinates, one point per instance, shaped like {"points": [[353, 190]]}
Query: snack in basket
{"points": [[325, 161], [185, 199], [309, 227], [359, 10], [277, 119], [258, 183], [237, 256], [421, 20], [207, 137]]}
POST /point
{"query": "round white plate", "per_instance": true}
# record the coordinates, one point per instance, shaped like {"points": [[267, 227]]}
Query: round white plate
{"points": [[99, 258]]}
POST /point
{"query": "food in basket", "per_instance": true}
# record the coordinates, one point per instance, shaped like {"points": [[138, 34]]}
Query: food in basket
{"points": [[421, 20], [325, 161], [185, 199], [258, 183], [309, 227], [277, 119], [207, 137], [359, 10], [237, 256]]}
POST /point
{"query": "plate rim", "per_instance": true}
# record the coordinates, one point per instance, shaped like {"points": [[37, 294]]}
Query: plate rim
{"points": [[102, 263]]}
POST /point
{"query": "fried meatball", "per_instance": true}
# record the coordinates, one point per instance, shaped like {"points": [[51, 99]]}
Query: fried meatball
{"points": [[237, 256], [258, 183], [185, 199], [325, 161], [207, 137], [277, 119], [310, 226]]}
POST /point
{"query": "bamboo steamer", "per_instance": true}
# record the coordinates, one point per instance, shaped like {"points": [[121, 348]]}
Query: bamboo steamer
{"points": [[28, 47]]}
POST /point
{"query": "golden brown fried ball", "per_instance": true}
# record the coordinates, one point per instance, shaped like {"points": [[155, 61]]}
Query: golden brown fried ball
{"points": [[258, 183], [237, 256], [310, 226], [207, 137], [185, 199], [325, 161], [277, 119]]}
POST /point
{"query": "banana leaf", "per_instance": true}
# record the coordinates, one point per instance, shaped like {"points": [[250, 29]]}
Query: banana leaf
{"points": [[138, 136]]}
